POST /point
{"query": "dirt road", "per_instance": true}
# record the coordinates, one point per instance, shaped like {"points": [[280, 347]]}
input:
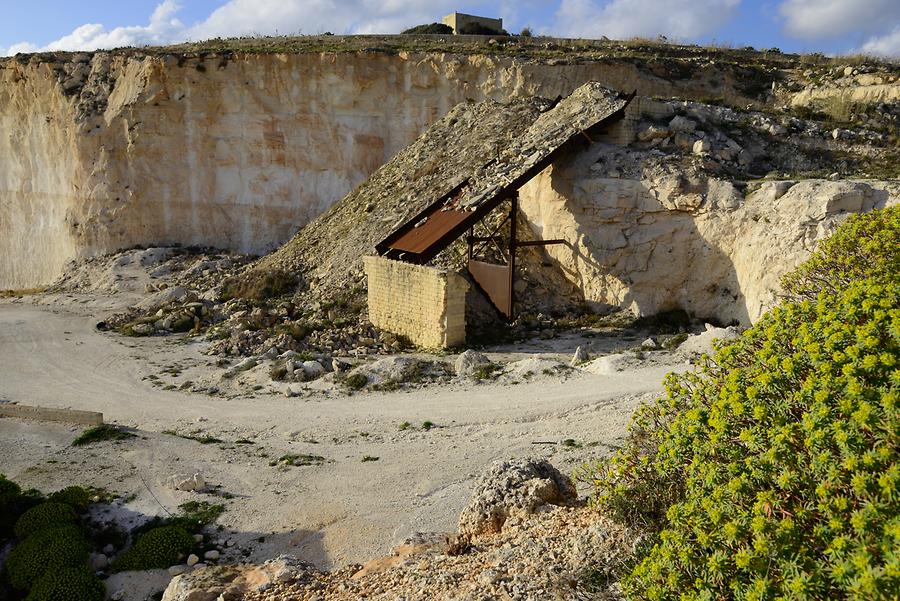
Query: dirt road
{"points": [[342, 510]]}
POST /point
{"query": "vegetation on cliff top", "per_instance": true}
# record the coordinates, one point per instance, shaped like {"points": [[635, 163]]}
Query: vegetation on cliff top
{"points": [[774, 473], [558, 50]]}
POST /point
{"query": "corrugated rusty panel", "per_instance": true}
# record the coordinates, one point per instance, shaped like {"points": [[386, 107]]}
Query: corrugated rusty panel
{"points": [[494, 281], [422, 235]]}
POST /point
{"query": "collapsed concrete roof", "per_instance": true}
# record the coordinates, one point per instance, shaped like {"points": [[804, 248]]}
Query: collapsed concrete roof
{"points": [[592, 107], [586, 107]]}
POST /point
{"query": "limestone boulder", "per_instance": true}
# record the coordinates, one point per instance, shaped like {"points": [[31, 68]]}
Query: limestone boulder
{"points": [[518, 487], [469, 361]]}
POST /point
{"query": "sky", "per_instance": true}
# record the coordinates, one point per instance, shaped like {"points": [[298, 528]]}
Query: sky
{"points": [[832, 27]]}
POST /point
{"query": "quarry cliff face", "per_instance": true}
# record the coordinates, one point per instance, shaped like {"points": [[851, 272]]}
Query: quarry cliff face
{"points": [[110, 150], [106, 151]]}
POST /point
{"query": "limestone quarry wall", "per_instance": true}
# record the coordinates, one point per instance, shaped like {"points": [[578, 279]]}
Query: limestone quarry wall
{"points": [[103, 151], [425, 304], [664, 241]]}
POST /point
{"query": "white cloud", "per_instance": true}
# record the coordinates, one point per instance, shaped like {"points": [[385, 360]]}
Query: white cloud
{"points": [[620, 19], [820, 19], [25, 47], [886, 45], [162, 28]]}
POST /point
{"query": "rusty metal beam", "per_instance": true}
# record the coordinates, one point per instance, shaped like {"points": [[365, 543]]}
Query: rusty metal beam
{"points": [[542, 242]]}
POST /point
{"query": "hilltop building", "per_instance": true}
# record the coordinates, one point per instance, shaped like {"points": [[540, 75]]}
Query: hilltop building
{"points": [[459, 20]]}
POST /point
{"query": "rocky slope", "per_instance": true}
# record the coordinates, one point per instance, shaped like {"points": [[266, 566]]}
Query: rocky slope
{"points": [[546, 546], [236, 144]]}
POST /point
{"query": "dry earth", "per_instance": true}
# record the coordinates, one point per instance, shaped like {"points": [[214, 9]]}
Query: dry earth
{"points": [[344, 510]]}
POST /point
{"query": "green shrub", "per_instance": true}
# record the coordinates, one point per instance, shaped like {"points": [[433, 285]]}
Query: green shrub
{"points": [[156, 549], [355, 381], [44, 516], [99, 434], [259, 285], [196, 514], [775, 473], [47, 551], [9, 492], [488, 371], [13, 503], [76, 497], [430, 28], [866, 245], [68, 584]]}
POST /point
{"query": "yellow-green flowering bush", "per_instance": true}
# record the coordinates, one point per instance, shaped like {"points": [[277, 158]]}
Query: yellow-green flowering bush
{"points": [[866, 245], [774, 473], [46, 551], [43, 516], [67, 584], [158, 548]]}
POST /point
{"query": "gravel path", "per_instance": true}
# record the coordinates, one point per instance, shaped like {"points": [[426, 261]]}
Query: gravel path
{"points": [[341, 511]]}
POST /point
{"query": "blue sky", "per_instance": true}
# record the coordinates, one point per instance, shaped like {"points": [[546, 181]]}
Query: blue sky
{"points": [[829, 26]]}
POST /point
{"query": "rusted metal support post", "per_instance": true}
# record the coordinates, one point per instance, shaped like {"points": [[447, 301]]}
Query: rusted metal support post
{"points": [[513, 212], [470, 243]]}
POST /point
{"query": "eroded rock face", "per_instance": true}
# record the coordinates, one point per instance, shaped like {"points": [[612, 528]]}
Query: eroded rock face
{"points": [[509, 488], [654, 240]]}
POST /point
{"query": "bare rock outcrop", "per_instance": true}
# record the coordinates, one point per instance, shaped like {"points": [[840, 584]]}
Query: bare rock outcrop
{"points": [[232, 583], [508, 488]]}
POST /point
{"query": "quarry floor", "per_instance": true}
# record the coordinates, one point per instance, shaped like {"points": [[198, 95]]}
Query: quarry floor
{"points": [[345, 510]]}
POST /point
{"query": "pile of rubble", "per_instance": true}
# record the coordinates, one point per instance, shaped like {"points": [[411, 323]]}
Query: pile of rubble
{"points": [[523, 535]]}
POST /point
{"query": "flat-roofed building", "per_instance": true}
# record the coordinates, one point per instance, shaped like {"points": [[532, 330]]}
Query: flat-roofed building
{"points": [[459, 20]]}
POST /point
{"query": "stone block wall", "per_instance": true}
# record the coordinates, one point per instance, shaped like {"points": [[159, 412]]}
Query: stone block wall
{"points": [[424, 304]]}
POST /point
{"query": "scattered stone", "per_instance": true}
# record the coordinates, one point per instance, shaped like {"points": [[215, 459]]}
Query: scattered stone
{"points": [[702, 146], [682, 125], [650, 344], [192, 483], [177, 570], [192, 560], [313, 370], [99, 562], [469, 361], [211, 555], [580, 356]]}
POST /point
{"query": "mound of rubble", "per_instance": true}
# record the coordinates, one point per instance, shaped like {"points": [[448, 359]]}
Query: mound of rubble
{"points": [[546, 546]]}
